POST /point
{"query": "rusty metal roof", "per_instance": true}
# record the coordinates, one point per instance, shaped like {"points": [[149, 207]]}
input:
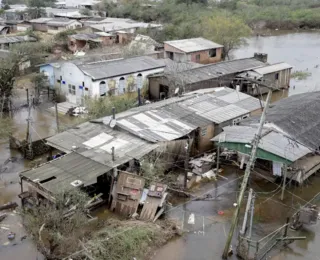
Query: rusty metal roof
{"points": [[95, 140], [59, 174]]}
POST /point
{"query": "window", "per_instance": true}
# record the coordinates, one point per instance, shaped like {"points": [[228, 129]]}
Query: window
{"points": [[277, 76], [197, 57], [122, 82], [139, 80], [213, 53], [236, 121], [102, 88], [244, 117], [203, 131], [170, 55], [72, 89], [58, 81]]}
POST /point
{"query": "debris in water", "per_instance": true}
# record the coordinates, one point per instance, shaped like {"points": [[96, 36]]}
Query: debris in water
{"points": [[10, 205], [11, 236], [191, 219], [3, 216], [5, 228]]}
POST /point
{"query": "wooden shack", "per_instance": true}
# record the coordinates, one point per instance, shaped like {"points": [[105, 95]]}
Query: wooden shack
{"points": [[128, 193]]}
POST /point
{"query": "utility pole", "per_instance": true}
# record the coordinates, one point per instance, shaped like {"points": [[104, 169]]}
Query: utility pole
{"points": [[218, 159], [251, 215], [28, 150], [246, 176], [284, 180], [186, 161], [114, 175], [245, 219], [139, 97], [27, 90], [57, 116]]}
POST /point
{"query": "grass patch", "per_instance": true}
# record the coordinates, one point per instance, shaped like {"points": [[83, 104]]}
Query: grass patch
{"points": [[126, 240], [300, 75]]}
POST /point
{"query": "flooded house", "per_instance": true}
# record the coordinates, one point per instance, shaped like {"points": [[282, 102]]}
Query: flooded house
{"points": [[176, 81], [199, 115], [276, 75], [197, 50], [79, 78], [93, 152], [290, 138], [235, 74]]}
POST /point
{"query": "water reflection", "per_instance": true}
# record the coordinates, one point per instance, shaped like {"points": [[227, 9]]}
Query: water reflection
{"points": [[301, 50]]}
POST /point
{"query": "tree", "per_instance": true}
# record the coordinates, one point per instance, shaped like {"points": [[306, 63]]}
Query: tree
{"points": [[85, 11], [57, 227], [35, 12], [40, 81], [9, 67], [228, 31]]}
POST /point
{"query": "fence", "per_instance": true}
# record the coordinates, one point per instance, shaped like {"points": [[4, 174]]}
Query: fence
{"points": [[257, 250]]}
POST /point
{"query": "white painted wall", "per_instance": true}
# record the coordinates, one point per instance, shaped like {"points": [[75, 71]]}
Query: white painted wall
{"points": [[119, 91], [71, 74]]}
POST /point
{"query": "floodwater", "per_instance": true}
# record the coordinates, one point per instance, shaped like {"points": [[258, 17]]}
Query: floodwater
{"points": [[43, 124], [203, 240], [302, 51]]}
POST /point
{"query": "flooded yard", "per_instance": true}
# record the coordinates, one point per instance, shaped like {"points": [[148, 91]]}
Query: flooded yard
{"points": [[203, 240]]}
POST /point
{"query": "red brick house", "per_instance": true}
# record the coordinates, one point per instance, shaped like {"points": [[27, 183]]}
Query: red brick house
{"points": [[197, 50]]}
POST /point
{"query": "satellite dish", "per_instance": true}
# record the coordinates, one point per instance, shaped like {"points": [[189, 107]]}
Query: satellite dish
{"points": [[176, 92], [113, 123]]}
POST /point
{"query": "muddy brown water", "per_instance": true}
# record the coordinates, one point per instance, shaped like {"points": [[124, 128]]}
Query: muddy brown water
{"points": [[302, 51], [205, 239], [43, 125]]}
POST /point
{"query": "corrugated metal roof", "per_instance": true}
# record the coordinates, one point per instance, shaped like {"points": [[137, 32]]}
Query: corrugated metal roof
{"points": [[60, 22], [222, 105], [41, 20], [65, 170], [271, 141], [86, 37], [112, 68], [156, 125], [117, 24], [216, 70], [223, 114], [298, 115], [193, 44], [176, 117], [16, 39], [94, 141], [273, 68]]}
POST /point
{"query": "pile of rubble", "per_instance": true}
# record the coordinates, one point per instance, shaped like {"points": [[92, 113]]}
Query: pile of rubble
{"points": [[202, 167]]}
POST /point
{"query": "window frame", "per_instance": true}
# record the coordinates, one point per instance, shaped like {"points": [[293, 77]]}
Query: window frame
{"points": [[214, 53]]}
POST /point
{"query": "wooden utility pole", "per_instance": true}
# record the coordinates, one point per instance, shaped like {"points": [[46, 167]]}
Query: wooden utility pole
{"points": [[246, 176], [284, 180]]}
